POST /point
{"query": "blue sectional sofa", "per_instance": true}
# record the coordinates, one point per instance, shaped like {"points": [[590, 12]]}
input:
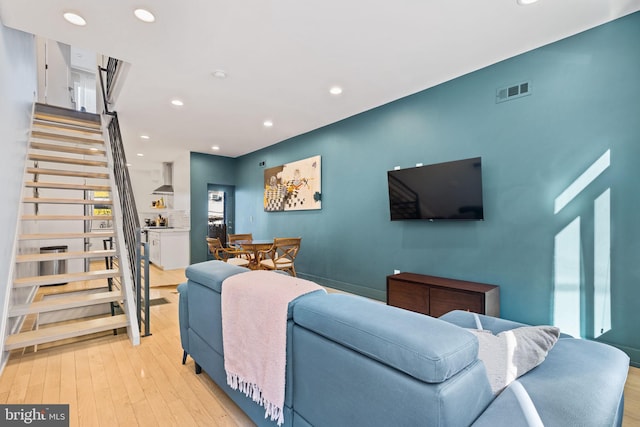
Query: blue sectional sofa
{"points": [[356, 362]]}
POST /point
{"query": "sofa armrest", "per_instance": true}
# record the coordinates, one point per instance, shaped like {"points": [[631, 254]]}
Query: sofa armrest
{"points": [[466, 319]]}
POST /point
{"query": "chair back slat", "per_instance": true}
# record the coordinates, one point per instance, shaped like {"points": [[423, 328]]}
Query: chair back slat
{"points": [[235, 237], [283, 254]]}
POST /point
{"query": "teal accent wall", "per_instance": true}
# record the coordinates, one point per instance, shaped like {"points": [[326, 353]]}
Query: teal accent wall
{"points": [[585, 102], [205, 170]]}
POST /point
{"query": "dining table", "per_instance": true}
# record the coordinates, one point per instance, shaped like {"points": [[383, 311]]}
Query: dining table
{"points": [[254, 246]]}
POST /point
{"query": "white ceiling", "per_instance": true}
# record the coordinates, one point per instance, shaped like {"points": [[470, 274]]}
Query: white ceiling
{"points": [[282, 56]]}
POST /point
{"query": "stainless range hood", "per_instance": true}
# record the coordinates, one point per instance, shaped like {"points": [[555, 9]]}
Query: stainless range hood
{"points": [[167, 176]]}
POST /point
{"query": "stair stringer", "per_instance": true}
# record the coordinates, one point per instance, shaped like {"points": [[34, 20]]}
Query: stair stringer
{"points": [[5, 327], [129, 302]]}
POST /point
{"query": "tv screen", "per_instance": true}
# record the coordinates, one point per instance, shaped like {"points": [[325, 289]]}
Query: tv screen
{"points": [[442, 191]]}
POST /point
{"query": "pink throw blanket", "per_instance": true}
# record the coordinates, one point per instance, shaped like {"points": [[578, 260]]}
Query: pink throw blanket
{"points": [[254, 334]]}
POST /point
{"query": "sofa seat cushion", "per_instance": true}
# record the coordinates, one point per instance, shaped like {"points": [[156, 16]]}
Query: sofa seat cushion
{"points": [[580, 383], [425, 348], [212, 273]]}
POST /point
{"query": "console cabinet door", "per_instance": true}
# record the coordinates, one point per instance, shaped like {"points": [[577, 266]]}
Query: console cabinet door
{"points": [[436, 296], [443, 301], [407, 295]]}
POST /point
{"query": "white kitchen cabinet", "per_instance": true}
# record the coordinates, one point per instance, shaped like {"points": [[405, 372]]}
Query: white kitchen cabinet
{"points": [[169, 249], [154, 247]]}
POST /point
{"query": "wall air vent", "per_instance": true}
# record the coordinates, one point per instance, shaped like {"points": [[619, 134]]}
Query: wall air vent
{"points": [[512, 92]]}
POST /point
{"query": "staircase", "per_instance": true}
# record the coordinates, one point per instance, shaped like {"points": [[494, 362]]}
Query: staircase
{"points": [[67, 169]]}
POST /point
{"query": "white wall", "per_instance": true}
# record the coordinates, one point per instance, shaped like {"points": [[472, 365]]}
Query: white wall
{"points": [[18, 85]]}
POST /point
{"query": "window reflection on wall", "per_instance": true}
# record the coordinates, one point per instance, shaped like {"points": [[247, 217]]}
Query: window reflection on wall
{"points": [[571, 304]]}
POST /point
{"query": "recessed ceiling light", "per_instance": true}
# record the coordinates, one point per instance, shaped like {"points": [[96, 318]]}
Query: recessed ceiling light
{"points": [[129, 165], [215, 148], [145, 137], [525, 2], [75, 19], [144, 15], [335, 90], [219, 74], [140, 155], [177, 102], [267, 123]]}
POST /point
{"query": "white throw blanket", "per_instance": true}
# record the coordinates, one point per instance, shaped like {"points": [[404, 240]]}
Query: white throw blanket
{"points": [[254, 334]]}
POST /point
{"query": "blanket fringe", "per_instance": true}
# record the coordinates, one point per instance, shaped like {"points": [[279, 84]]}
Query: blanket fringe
{"points": [[254, 392]]}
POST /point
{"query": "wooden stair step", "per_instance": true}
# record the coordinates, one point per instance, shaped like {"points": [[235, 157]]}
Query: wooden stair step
{"points": [[65, 302], [66, 186], [65, 127], [66, 217], [67, 160], [70, 330], [58, 114], [52, 136], [67, 149], [59, 172], [51, 201], [67, 120], [46, 236], [54, 279], [65, 255]]}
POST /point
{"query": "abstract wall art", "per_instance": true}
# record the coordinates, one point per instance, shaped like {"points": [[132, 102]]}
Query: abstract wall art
{"points": [[293, 186]]}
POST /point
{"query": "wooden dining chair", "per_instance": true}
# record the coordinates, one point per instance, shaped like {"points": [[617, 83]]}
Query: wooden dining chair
{"points": [[228, 255], [282, 255]]}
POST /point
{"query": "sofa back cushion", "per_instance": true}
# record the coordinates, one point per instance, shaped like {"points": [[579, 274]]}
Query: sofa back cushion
{"points": [[428, 349]]}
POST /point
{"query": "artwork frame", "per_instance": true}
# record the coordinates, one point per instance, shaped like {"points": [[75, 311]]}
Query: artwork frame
{"points": [[293, 186]]}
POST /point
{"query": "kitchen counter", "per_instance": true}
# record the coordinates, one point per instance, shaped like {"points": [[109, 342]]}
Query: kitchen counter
{"points": [[166, 229]]}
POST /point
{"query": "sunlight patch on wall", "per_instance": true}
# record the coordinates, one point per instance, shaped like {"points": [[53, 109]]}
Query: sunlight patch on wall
{"points": [[602, 264], [570, 289], [582, 181], [566, 293]]}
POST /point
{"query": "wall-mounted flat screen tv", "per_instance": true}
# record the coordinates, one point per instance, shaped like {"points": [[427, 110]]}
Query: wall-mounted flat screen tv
{"points": [[442, 191]]}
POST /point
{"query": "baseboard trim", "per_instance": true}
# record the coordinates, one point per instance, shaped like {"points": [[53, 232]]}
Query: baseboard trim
{"points": [[347, 287]]}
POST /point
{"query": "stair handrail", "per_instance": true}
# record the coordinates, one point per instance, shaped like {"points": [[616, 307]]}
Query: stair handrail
{"points": [[126, 214]]}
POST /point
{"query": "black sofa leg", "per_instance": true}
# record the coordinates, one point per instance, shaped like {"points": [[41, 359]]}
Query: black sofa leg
{"points": [[184, 357], [198, 369]]}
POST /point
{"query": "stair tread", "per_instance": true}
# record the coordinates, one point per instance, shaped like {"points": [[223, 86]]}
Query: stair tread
{"points": [[70, 330], [64, 302], [67, 160], [65, 255], [62, 278], [67, 149], [58, 114], [67, 186], [66, 127], [66, 217], [57, 201], [60, 172], [42, 236], [53, 136]]}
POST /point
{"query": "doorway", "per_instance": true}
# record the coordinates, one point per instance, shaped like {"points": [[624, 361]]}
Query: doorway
{"points": [[220, 212]]}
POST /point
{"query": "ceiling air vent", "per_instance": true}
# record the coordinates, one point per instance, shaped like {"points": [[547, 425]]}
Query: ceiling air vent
{"points": [[512, 92]]}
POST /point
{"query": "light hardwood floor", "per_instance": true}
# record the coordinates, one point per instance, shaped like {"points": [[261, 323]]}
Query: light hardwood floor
{"points": [[107, 382]]}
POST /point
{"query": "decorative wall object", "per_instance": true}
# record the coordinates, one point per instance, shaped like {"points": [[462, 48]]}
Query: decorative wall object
{"points": [[293, 186]]}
